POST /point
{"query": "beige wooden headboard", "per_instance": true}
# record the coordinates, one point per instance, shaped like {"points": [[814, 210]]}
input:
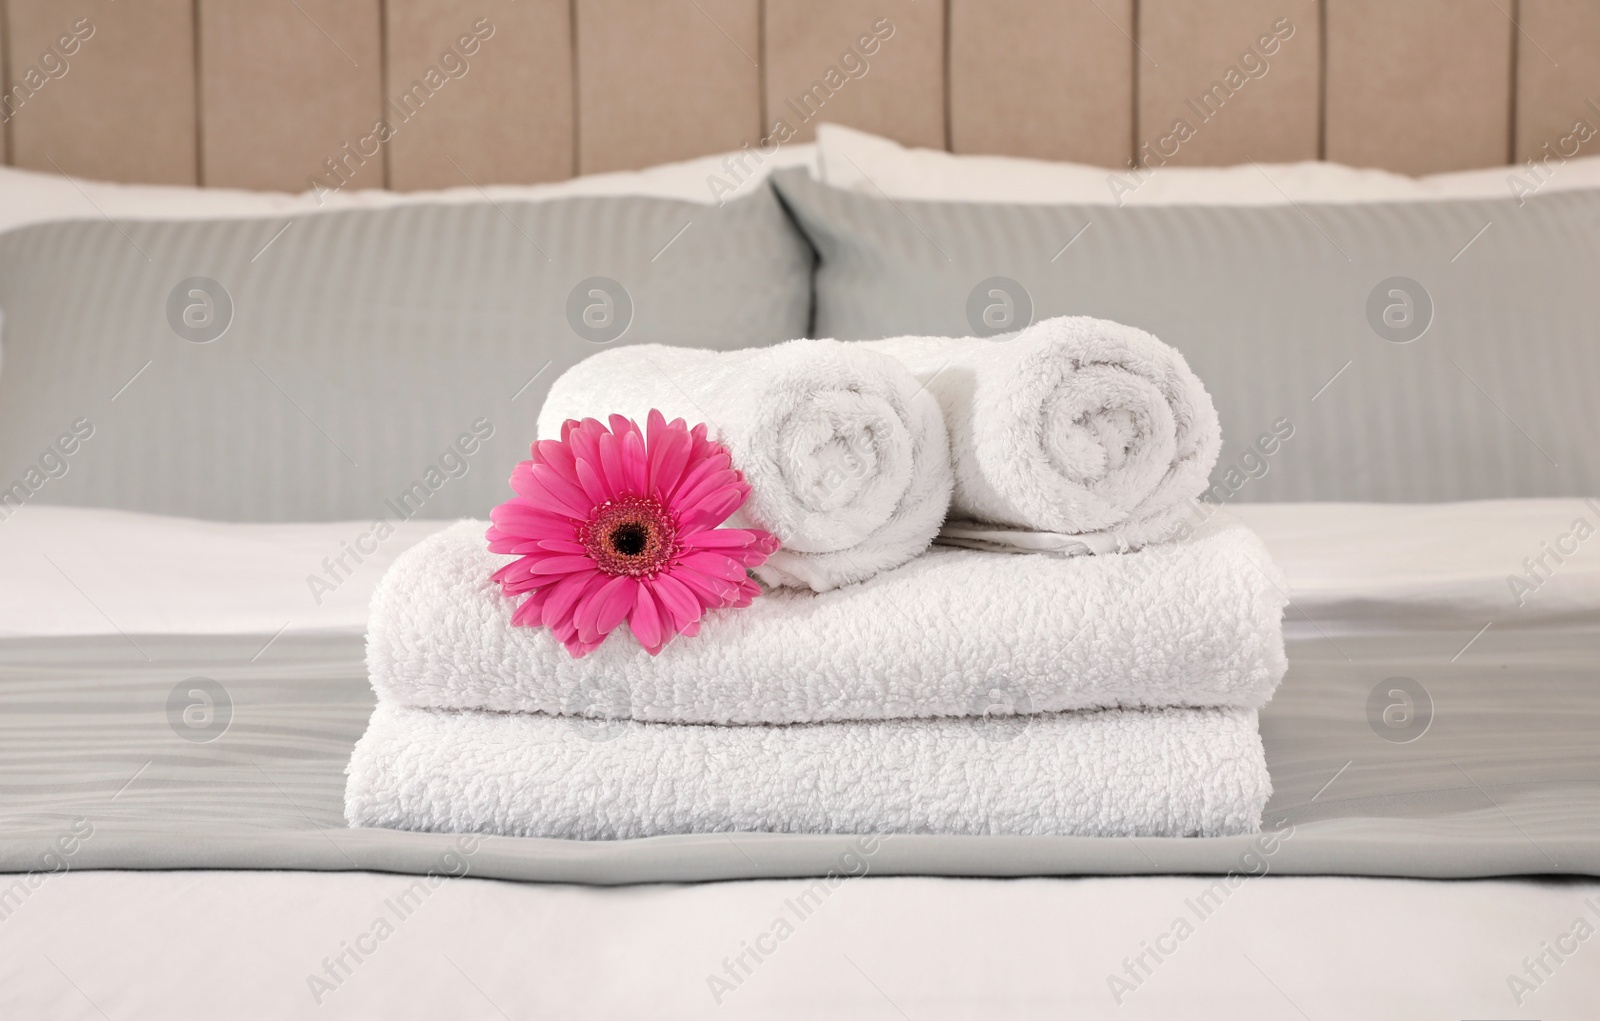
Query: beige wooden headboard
{"points": [[269, 93]]}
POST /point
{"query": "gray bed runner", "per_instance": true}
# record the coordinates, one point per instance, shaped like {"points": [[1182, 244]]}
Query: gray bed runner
{"points": [[1500, 775]]}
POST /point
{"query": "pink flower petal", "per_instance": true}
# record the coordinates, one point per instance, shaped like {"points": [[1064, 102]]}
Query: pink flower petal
{"points": [[611, 465], [563, 546], [622, 425], [614, 602], [524, 547], [528, 520], [713, 510], [669, 453], [635, 466], [593, 484], [713, 485], [528, 612], [562, 629], [645, 622], [712, 592], [559, 564], [680, 603], [565, 489], [520, 543], [587, 614], [694, 475], [584, 441], [714, 565], [697, 469], [521, 472], [557, 456], [535, 489], [517, 574], [565, 596], [722, 538], [744, 592], [750, 556], [515, 565]]}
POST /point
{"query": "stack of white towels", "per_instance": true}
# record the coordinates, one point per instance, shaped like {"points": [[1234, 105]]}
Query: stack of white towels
{"points": [[996, 609]]}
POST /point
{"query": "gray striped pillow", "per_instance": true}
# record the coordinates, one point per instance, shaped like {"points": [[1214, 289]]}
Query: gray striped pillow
{"points": [[1395, 351], [359, 364]]}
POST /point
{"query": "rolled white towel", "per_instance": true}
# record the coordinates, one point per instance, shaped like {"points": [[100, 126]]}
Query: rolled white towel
{"points": [[953, 633], [1120, 773], [844, 452], [1077, 426]]}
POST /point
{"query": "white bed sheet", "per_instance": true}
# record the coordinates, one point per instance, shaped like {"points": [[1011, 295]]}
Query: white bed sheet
{"points": [[872, 164], [1370, 567], [78, 571], [1351, 568], [241, 945], [30, 196]]}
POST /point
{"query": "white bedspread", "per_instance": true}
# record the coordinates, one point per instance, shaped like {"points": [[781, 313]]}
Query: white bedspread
{"points": [[1351, 568], [241, 945], [88, 571], [1369, 567]]}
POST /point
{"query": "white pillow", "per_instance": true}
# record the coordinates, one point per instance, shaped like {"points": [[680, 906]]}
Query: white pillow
{"points": [[857, 161], [31, 197]]}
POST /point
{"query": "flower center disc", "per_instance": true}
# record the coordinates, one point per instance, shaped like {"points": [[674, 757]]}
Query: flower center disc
{"points": [[632, 536], [630, 539]]}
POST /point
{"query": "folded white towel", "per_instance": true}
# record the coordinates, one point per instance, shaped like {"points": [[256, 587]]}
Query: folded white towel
{"points": [[1073, 425], [1194, 623], [844, 452], [1165, 772]]}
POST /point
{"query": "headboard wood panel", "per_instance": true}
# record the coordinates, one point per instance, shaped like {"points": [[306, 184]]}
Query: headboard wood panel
{"points": [[1205, 64], [247, 93], [665, 81], [5, 127], [510, 114], [285, 87], [1558, 78], [902, 93], [1047, 80], [1419, 86], [123, 108]]}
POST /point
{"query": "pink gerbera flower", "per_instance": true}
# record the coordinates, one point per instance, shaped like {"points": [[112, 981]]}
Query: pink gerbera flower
{"points": [[611, 525]]}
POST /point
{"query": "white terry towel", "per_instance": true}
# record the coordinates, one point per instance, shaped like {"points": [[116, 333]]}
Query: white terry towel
{"points": [[1193, 623], [1164, 772], [844, 452], [1075, 425]]}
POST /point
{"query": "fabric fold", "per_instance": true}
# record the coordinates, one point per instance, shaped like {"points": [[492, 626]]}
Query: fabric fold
{"points": [[953, 633], [1074, 425], [845, 453], [1121, 773]]}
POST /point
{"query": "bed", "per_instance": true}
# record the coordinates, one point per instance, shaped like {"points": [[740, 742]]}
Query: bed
{"points": [[198, 729], [214, 768], [224, 413]]}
